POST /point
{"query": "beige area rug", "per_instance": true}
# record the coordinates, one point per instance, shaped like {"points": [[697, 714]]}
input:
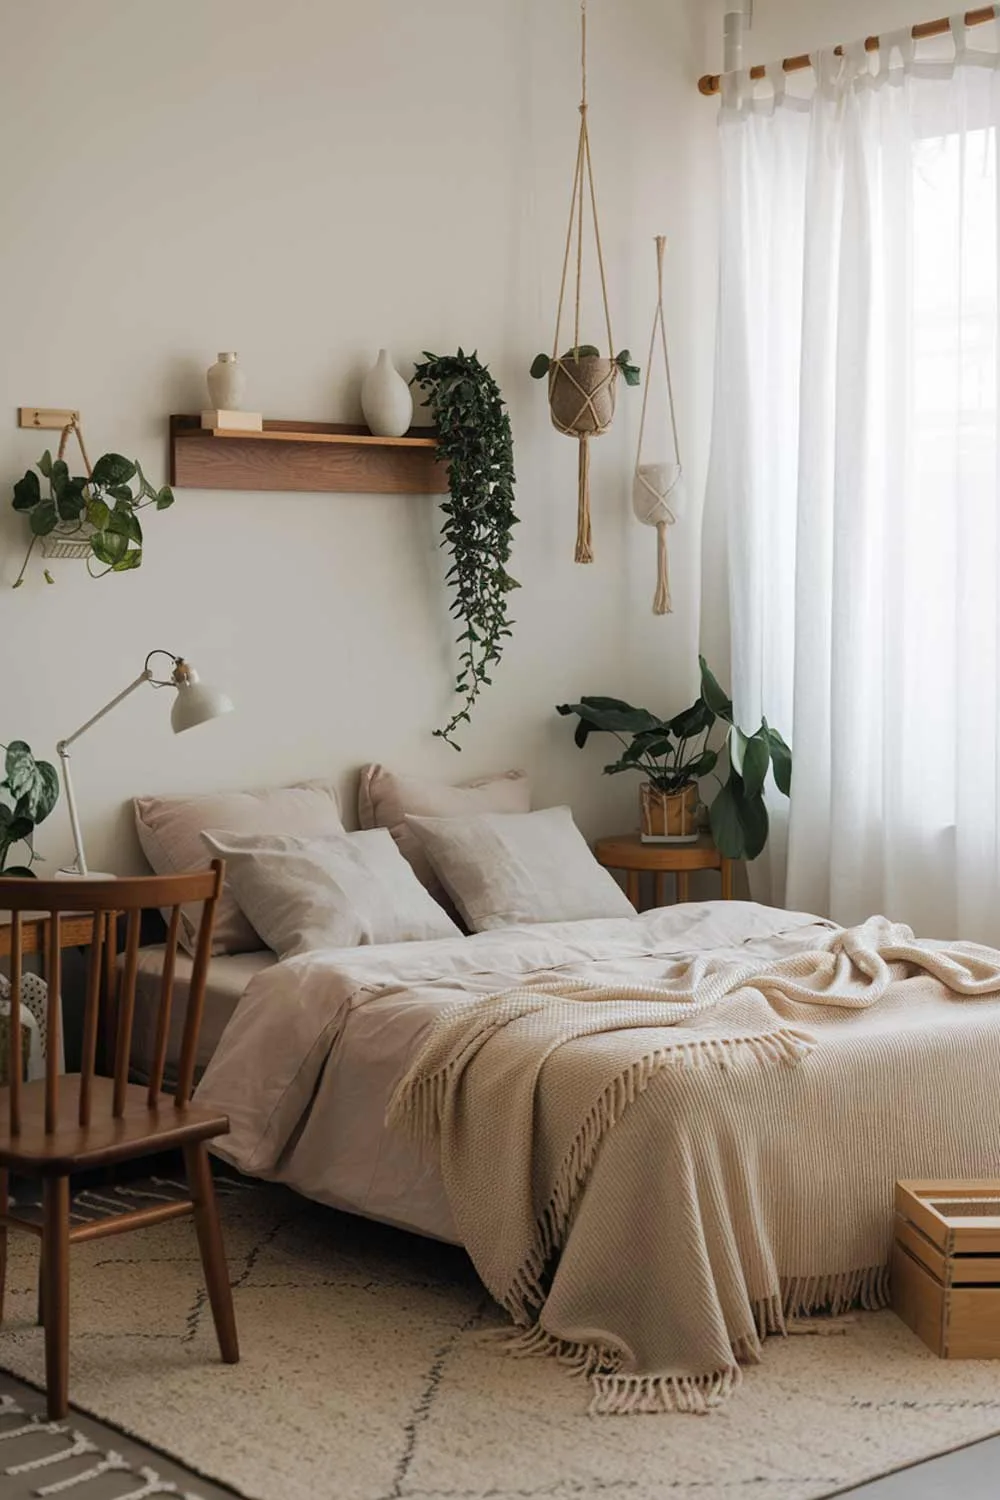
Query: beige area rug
{"points": [[366, 1376]]}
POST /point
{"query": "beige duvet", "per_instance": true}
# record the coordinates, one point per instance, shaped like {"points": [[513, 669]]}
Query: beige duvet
{"points": [[798, 1132]]}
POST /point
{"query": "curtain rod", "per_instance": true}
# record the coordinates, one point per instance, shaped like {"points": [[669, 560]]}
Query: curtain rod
{"points": [[711, 83]]}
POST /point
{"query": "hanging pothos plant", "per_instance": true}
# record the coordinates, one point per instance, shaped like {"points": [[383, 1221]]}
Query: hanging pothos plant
{"points": [[474, 439], [99, 510]]}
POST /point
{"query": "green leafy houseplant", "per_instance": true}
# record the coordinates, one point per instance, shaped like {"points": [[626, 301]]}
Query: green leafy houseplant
{"points": [[475, 440], [674, 753], [101, 510], [29, 791], [542, 364]]}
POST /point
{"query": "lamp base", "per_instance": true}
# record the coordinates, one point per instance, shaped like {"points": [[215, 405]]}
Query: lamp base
{"points": [[71, 872]]}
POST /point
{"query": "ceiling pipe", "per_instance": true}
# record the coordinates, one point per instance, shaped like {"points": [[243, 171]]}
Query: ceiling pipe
{"points": [[738, 20]]}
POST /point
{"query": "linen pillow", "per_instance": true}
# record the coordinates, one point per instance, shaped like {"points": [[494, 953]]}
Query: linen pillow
{"points": [[385, 800], [170, 830], [334, 892], [502, 868]]}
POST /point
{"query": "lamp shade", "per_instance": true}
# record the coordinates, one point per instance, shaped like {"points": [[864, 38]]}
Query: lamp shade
{"points": [[196, 701]]}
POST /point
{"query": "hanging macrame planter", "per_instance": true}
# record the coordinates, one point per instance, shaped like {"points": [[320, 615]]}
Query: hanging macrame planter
{"points": [[583, 382], [657, 488]]}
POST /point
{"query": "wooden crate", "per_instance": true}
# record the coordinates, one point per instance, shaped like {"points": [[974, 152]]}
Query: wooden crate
{"points": [[946, 1266]]}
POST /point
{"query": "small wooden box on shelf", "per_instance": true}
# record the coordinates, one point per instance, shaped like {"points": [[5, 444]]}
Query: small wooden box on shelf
{"points": [[946, 1266], [629, 853], [334, 457]]}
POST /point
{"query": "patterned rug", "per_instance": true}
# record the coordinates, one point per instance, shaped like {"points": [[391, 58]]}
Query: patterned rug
{"points": [[366, 1376]]}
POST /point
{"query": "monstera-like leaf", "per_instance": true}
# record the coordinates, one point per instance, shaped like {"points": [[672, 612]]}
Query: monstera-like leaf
{"points": [[28, 793]]}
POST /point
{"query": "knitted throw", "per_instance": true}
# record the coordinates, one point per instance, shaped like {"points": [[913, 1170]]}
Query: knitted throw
{"points": [[626, 1198]]}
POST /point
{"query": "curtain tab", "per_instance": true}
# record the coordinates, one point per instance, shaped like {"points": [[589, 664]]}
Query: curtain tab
{"points": [[958, 30], [828, 67], [778, 79], [856, 59], [736, 89], [900, 41]]}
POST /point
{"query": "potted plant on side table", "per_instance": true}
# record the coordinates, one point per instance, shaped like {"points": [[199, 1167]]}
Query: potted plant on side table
{"points": [[674, 755]]}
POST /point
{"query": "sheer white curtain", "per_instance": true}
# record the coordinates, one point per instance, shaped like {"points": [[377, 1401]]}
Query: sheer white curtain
{"points": [[855, 450]]}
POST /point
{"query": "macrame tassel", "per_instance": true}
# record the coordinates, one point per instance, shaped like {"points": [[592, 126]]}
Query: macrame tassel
{"points": [[662, 603], [584, 546]]}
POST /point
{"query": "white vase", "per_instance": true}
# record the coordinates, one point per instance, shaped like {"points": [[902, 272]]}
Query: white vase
{"points": [[226, 384], [386, 399]]}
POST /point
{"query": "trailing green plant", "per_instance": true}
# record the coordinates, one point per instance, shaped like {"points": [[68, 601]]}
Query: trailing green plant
{"points": [[29, 791], [675, 753], [542, 363], [102, 510], [475, 440]]}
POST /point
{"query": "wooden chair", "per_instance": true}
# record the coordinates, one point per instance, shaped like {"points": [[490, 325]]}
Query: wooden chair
{"points": [[59, 1125]]}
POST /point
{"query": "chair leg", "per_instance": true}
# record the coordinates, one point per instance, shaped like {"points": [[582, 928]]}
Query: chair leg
{"points": [[213, 1254], [4, 1208], [40, 1308], [55, 1243]]}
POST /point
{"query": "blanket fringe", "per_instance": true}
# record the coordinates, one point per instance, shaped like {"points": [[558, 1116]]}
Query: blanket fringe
{"points": [[618, 1394], [632, 1395], [615, 1394], [418, 1104], [868, 1289]]}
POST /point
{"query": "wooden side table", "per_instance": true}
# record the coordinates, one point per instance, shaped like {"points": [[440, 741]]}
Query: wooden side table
{"points": [[76, 930], [627, 852]]}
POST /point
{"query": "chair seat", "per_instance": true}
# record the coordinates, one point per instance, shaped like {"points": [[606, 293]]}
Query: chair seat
{"points": [[72, 1147]]}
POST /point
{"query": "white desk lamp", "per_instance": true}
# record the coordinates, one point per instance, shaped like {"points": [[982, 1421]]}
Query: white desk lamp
{"points": [[195, 703]]}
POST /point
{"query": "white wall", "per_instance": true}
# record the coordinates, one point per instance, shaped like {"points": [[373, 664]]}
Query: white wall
{"points": [[304, 181]]}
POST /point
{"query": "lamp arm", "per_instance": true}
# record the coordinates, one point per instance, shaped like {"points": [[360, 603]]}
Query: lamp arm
{"points": [[62, 749], [64, 745]]}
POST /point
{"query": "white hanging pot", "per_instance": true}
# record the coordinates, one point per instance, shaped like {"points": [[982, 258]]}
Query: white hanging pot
{"points": [[658, 493]]}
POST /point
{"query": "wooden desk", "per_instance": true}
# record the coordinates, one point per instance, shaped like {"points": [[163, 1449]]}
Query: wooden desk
{"points": [[627, 852]]}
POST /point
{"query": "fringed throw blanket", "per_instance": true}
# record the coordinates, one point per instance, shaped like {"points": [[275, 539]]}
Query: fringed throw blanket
{"points": [[626, 1199]]}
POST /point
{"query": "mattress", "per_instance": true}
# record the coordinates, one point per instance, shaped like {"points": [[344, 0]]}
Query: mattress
{"points": [[227, 979]]}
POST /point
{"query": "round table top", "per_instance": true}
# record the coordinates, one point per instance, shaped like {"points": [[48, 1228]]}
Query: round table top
{"points": [[628, 852]]}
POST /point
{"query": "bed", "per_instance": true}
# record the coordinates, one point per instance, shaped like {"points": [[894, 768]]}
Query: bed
{"points": [[705, 1258], [660, 1137]]}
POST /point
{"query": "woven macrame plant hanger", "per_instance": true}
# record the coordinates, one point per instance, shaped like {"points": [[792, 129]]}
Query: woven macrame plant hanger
{"points": [[65, 542], [657, 491], [582, 389]]}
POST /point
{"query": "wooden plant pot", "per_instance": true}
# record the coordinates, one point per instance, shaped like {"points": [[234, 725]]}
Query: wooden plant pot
{"points": [[582, 394], [668, 817]]}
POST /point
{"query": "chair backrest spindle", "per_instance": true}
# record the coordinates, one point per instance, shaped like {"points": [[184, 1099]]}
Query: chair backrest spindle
{"points": [[196, 995], [91, 1013], [126, 1011], [166, 1006], [53, 1041], [14, 1053], [44, 903]]}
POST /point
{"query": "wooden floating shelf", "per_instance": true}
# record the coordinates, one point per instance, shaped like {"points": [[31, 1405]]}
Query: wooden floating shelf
{"points": [[305, 456]]}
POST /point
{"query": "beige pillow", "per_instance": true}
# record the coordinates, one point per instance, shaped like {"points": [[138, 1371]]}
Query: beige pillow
{"points": [[340, 891], [505, 868], [170, 830], [385, 800]]}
